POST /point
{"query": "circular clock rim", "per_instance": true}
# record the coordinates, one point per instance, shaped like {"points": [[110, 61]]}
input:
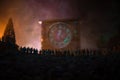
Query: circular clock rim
{"points": [[57, 23]]}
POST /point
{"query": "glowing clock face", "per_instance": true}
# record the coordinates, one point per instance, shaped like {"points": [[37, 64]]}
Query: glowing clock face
{"points": [[59, 34]]}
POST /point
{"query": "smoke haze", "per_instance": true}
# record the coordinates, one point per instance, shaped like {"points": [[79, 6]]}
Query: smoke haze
{"points": [[96, 18]]}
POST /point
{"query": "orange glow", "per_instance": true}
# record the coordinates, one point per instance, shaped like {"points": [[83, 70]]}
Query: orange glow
{"points": [[2, 28]]}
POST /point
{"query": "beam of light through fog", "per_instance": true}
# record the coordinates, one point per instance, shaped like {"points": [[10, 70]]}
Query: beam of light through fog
{"points": [[26, 14]]}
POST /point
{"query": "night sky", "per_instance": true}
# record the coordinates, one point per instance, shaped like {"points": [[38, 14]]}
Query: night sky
{"points": [[97, 18]]}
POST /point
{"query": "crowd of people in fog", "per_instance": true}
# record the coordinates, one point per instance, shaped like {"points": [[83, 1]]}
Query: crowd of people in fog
{"points": [[77, 52], [24, 50]]}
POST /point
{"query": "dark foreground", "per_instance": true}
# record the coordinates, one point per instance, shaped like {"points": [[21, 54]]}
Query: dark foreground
{"points": [[48, 67]]}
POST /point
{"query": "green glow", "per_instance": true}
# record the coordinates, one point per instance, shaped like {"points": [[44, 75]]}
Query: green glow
{"points": [[66, 40]]}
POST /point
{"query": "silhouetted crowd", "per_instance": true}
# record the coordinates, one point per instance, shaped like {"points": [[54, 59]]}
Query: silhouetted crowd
{"points": [[31, 64], [77, 52], [24, 50], [27, 50]]}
